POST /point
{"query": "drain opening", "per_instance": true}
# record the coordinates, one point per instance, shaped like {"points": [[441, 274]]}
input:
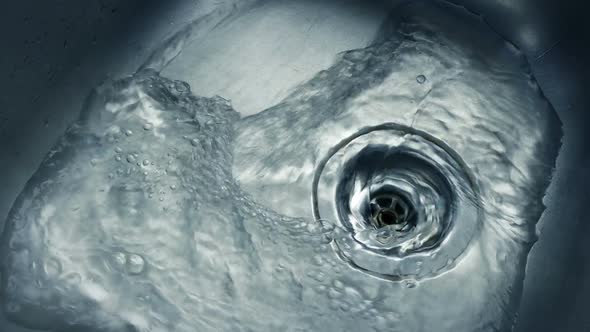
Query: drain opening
{"points": [[404, 205], [391, 209]]}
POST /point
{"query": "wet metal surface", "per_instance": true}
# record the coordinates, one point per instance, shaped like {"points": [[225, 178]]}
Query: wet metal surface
{"points": [[32, 117]]}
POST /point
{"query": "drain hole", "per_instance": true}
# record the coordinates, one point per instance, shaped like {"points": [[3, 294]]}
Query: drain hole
{"points": [[405, 206], [388, 217], [390, 210], [398, 192]]}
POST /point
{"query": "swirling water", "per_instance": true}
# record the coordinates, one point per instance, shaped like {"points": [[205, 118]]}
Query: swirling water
{"points": [[397, 190]]}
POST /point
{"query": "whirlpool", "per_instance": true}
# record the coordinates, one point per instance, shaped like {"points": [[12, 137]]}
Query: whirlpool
{"points": [[284, 165]]}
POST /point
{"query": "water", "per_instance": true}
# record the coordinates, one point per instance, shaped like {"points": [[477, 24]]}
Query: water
{"points": [[397, 190]]}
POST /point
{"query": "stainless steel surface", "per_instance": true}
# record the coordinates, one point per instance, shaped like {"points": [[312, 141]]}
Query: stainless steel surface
{"points": [[54, 53]]}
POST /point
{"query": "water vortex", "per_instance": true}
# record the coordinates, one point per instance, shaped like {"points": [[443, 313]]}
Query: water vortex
{"points": [[403, 204]]}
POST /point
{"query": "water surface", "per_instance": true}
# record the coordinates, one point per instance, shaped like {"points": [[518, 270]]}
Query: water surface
{"points": [[396, 190]]}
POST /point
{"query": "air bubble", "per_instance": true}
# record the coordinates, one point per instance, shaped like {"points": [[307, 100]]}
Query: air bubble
{"points": [[421, 79], [135, 264], [334, 293], [52, 267], [119, 260], [410, 283]]}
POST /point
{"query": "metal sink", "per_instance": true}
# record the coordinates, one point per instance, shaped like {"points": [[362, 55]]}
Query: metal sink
{"points": [[256, 54]]}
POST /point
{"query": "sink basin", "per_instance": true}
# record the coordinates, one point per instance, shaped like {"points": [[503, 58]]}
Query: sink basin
{"points": [[269, 165]]}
